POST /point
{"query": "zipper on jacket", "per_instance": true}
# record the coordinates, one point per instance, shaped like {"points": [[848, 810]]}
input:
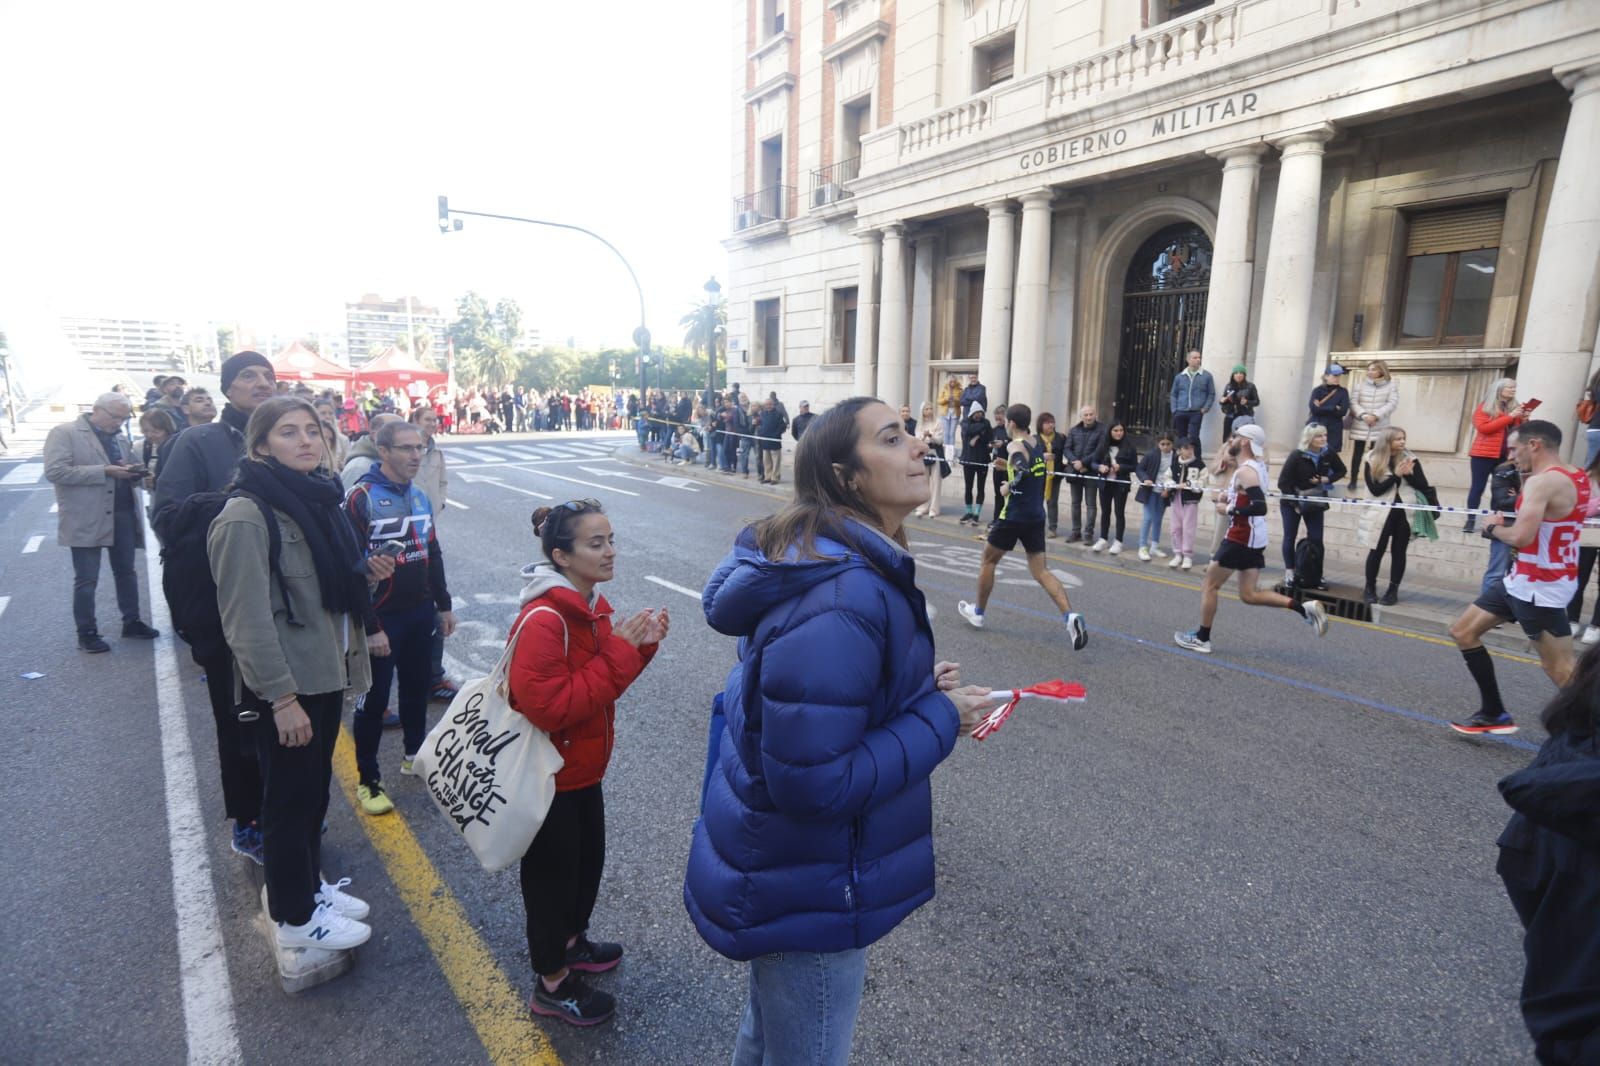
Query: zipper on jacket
{"points": [[855, 873]]}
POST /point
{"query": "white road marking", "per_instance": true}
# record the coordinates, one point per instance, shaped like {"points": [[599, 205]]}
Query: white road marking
{"points": [[577, 481], [497, 483], [208, 1019], [559, 453], [33, 544], [498, 453], [524, 452], [669, 481], [664, 583], [23, 474], [456, 505], [5, 601], [55, 508]]}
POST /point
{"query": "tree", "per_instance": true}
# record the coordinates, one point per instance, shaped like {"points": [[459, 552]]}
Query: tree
{"points": [[420, 344], [224, 343], [498, 366], [474, 325], [706, 328], [507, 320]]}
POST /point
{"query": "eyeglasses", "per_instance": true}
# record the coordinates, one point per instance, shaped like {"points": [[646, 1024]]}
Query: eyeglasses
{"points": [[409, 449]]}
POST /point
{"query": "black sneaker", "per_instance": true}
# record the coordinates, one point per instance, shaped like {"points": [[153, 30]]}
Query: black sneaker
{"points": [[137, 630], [1389, 598], [92, 643], [590, 957], [573, 1001], [1500, 724]]}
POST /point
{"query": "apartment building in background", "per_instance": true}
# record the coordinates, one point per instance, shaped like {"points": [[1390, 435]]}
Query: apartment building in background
{"points": [[373, 323], [140, 347], [1066, 195]]}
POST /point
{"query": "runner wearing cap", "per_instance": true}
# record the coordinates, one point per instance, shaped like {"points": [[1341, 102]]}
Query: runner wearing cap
{"points": [[1243, 548]]}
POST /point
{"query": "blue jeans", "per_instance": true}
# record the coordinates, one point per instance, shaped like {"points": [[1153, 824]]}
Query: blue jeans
{"points": [[1499, 561], [802, 1009], [713, 443], [745, 444], [1155, 508]]}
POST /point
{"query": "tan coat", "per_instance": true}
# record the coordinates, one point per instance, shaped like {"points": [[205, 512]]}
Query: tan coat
{"points": [[432, 478], [76, 464], [276, 659]]}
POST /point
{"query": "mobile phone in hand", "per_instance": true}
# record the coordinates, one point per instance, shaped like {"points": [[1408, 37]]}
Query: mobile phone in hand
{"points": [[1529, 405], [392, 548]]}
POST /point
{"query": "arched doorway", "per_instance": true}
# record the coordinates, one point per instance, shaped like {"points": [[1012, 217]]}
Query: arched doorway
{"points": [[1163, 316]]}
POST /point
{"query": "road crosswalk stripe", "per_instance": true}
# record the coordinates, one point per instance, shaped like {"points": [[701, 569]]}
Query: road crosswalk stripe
{"points": [[23, 474], [33, 544]]}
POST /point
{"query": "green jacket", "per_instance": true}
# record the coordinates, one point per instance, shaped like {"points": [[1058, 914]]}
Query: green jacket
{"points": [[276, 659]]}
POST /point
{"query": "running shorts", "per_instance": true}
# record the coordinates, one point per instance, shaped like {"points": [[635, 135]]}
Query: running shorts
{"points": [[1533, 619], [1235, 556], [1006, 535]]}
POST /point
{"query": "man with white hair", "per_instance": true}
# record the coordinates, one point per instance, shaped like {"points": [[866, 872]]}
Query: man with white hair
{"points": [[1244, 546], [94, 479]]}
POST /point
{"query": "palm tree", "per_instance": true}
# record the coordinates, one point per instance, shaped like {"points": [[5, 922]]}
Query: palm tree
{"points": [[498, 365], [706, 328]]}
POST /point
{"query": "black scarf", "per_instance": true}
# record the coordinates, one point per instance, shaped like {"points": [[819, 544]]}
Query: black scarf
{"points": [[315, 501]]}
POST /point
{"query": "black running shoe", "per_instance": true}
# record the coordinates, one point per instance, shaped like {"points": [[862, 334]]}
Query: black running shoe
{"points": [[591, 957], [92, 643], [573, 1001], [1500, 724]]}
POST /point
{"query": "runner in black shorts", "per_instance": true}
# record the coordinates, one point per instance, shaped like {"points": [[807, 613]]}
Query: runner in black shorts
{"points": [[1534, 620], [1021, 520]]}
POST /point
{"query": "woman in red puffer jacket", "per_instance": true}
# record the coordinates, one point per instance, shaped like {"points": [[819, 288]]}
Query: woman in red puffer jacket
{"points": [[568, 670], [1498, 412]]}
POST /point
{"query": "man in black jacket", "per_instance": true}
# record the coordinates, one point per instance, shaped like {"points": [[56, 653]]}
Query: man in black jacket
{"points": [[1083, 443], [770, 429], [204, 459], [801, 420]]}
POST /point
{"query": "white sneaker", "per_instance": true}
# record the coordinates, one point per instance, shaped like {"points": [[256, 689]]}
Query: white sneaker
{"points": [[1176, 560], [1116, 548], [1099, 545], [1144, 555], [1192, 641], [337, 898], [1155, 550], [327, 929], [1317, 617], [1077, 631], [969, 611], [1591, 635], [1188, 562]]}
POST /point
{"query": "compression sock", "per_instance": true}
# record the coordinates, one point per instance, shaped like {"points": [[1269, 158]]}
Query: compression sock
{"points": [[1204, 632], [1482, 669], [1297, 608]]}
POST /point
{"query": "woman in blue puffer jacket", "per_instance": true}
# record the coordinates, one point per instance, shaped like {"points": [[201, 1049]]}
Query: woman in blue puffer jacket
{"points": [[815, 833]]}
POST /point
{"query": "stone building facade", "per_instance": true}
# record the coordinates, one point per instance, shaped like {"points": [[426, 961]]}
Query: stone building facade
{"points": [[1064, 195]]}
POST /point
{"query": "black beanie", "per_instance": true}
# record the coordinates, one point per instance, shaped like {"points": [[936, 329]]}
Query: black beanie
{"points": [[237, 362]]}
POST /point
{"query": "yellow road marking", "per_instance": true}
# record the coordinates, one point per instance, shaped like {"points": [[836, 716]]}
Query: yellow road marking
{"points": [[493, 1006]]}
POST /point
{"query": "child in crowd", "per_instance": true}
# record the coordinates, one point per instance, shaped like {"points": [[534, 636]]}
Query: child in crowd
{"points": [[1189, 471], [1156, 483]]}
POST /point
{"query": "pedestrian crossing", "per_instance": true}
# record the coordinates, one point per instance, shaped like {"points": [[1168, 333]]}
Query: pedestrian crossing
{"points": [[529, 453]]}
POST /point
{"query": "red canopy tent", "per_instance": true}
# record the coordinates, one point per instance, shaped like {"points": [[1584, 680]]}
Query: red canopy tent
{"points": [[299, 363], [393, 368]]}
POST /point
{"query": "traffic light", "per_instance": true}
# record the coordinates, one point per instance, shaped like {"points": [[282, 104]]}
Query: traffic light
{"points": [[444, 214]]}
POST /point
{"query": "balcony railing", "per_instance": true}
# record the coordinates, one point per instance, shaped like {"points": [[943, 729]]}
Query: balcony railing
{"points": [[827, 184], [951, 124], [762, 206], [1168, 47]]}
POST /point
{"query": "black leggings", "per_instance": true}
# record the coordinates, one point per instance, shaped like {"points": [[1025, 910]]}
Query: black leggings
{"points": [[236, 750], [1355, 462], [294, 805], [972, 475], [1113, 504], [1586, 561], [999, 500], [561, 875], [1395, 538]]}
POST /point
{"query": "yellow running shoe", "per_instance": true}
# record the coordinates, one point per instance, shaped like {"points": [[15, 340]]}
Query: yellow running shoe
{"points": [[373, 798]]}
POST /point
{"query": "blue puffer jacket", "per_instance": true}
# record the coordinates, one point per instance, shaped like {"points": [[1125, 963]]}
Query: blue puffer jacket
{"points": [[815, 830]]}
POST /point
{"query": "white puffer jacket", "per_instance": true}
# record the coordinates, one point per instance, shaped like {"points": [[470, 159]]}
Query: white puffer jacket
{"points": [[1372, 398]]}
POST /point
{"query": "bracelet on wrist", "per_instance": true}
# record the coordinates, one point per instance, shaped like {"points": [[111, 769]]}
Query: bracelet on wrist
{"points": [[281, 702]]}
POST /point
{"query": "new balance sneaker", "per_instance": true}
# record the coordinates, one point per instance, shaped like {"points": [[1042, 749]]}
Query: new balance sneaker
{"points": [[1077, 632], [247, 842], [408, 765], [1317, 617], [326, 929], [573, 1001], [336, 897], [373, 798], [970, 612], [1500, 724], [443, 692], [1192, 641], [590, 957], [1099, 545]]}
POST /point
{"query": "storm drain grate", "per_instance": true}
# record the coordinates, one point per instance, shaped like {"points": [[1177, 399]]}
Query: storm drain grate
{"points": [[1338, 606]]}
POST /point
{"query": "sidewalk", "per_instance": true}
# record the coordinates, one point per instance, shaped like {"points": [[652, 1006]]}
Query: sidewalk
{"points": [[1441, 579]]}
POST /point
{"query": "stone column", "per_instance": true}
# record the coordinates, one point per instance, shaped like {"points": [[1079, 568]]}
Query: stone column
{"points": [[1291, 271], [1233, 271], [1032, 290], [994, 338], [867, 315], [925, 254], [1558, 340], [893, 350]]}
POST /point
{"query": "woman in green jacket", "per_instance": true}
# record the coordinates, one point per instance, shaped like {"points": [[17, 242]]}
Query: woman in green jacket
{"points": [[296, 631]]}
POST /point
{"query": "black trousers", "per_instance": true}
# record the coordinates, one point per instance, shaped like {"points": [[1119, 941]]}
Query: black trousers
{"points": [[1080, 489], [1113, 506], [973, 476], [86, 574], [410, 659], [294, 804], [1395, 538], [236, 753], [1555, 888], [561, 875], [999, 500], [1291, 531], [1355, 462]]}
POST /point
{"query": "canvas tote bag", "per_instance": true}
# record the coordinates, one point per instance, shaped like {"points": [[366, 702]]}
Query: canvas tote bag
{"points": [[490, 770]]}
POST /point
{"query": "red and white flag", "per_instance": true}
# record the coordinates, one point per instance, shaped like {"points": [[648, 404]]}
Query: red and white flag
{"points": [[1058, 690]]}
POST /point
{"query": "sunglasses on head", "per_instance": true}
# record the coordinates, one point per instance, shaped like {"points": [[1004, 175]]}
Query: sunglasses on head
{"points": [[580, 506]]}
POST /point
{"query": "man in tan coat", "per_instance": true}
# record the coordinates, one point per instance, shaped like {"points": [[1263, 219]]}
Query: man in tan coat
{"points": [[94, 478]]}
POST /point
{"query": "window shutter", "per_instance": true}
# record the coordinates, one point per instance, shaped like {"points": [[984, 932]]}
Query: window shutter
{"points": [[1458, 229]]}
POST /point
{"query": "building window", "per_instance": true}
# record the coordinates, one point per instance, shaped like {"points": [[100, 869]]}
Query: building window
{"points": [[843, 319], [768, 343], [994, 63], [1167, 10], [969, 314], [1450, 262], [771, 18]]}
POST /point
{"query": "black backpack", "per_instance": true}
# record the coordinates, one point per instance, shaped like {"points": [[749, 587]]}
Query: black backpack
{"points": [[186, 579], [1308, 563]]}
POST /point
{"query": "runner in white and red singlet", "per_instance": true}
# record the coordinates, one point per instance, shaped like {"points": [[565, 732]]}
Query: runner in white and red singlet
{"points": [[1543, 576]]}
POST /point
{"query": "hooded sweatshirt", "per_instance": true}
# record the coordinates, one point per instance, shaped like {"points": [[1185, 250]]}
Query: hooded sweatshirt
{"points": [[568, 672], [815, 829], [382, 510]]}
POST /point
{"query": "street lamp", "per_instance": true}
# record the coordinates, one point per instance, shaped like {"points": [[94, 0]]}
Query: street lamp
{"points": [[712, 291]]}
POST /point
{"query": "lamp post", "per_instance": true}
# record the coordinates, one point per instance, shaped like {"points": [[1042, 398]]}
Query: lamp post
{"points": [[712, 291]]}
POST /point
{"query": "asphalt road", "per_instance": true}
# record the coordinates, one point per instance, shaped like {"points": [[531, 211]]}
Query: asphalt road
{"points": [[1273, 854]]}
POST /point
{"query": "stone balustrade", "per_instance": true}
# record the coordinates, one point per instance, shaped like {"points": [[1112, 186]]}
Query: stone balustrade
{"points": [[1174, 47], [967, 119]]}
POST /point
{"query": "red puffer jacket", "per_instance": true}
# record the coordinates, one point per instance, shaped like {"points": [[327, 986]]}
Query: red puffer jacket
{"points": [[1490, 441], [571, 694]]}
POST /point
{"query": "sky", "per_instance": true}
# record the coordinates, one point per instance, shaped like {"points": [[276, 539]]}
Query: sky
{"points": [[267, 163]]}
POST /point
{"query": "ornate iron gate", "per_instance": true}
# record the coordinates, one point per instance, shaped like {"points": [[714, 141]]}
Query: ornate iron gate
{"points": [[1163, 316]]}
